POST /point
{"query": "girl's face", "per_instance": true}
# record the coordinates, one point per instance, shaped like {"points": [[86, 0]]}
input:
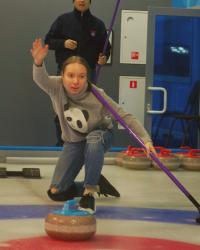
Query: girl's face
{"points": [[74, 78]]}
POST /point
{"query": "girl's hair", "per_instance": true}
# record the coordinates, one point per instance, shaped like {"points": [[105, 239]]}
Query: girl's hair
{"points": [[75, 59]]}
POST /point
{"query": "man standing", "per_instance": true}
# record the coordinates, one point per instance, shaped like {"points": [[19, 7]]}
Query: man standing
{"points": [[79, 33]]}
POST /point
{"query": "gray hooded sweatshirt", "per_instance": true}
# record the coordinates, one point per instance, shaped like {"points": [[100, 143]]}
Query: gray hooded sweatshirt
{"points": [[82, 113]]}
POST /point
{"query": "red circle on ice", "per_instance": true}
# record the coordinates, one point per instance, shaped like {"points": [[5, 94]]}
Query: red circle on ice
{"points": [[99, 242]]}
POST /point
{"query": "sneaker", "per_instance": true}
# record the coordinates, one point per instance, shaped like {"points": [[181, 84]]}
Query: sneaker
{"points": [[87, 203], [106, 188]]}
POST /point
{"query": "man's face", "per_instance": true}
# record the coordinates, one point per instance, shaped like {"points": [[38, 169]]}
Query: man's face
{"points": [[82, 5]]}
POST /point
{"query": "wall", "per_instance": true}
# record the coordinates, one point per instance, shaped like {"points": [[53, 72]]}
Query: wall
{"points": [[25, 111]]}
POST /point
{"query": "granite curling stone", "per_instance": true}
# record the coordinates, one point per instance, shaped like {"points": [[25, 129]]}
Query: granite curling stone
{"points": [[70, 223]]}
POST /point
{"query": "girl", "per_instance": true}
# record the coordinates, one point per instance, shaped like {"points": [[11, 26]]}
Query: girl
{"points": [[87, 129]]}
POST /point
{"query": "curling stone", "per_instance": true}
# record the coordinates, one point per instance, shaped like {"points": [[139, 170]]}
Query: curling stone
{"points": [[136, 160], [168, 160], [121, 155], [70, 223], [184, 150], [191, 160]]}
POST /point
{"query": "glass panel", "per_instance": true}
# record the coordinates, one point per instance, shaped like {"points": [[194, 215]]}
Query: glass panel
{"points": [[185, 3], [176, 56]]}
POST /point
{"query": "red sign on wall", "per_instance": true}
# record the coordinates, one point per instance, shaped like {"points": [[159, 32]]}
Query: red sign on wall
{"points": [[134, 55], [133, 84]]}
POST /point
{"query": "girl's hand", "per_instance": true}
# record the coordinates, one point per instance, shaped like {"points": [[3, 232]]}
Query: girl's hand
{"points": [[38, 51], [149, 148]]}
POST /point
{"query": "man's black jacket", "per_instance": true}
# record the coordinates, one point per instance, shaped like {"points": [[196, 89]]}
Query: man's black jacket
{"points": [[89, 32]]}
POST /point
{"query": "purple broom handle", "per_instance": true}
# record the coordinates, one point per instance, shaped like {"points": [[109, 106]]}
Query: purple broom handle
{"points": [[98, 67], [140, 142]]}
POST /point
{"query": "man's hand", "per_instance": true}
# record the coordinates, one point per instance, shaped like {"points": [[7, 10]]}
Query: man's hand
{"points": [[102, 59], [70, 44], [38, 51]]}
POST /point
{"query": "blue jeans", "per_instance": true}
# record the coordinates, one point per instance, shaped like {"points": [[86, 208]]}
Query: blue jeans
{"points": [[89, 153]]}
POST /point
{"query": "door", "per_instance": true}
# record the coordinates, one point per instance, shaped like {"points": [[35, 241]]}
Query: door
{"points": [[133, 36], [174, 38], [132, 95]]}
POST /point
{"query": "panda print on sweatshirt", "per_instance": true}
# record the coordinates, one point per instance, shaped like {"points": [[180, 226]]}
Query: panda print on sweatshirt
{"points": [[77, 118]]}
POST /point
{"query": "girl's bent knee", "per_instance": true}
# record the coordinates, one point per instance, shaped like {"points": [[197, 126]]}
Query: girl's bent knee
{"points": [[94, 138]]}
